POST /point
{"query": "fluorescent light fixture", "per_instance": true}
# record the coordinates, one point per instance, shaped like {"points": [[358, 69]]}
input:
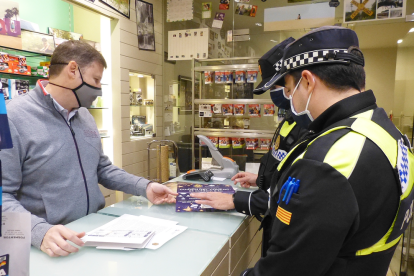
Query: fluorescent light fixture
{"points": [[411, 30], [140, 76], [259, 24], [131, 74], [399, 41], [272, 40]]}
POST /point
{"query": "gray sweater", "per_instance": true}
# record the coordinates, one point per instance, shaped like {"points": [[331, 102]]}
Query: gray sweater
{"points": [[53, 173]]}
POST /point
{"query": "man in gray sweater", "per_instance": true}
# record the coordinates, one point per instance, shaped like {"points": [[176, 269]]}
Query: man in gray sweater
{"points": [[57, 161]]}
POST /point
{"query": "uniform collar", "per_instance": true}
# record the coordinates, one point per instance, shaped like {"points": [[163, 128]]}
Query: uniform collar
{"points": [[343, 109]]}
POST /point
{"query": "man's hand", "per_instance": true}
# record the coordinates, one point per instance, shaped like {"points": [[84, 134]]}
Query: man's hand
{"points": [[55, 242], [245, 179], [220, 201], [158, 194]]}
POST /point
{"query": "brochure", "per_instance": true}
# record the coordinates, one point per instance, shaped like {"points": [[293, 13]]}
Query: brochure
{"points": [[205, 110], [268, 109], [240, 77], [239, 109], [254, 110], [186, 203], [252, 143], [224, 142], [227, 109], [133, 232]]}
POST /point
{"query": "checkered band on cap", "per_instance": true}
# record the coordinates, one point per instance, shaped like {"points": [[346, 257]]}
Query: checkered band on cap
{"points": [[278, 65], [311, 57]]}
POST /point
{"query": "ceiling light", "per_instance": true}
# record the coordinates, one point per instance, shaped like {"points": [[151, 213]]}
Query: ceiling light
{"points": [[399, 41], [272, 40], [411, 30], [259, 24], [131, 74], [140, 76]]}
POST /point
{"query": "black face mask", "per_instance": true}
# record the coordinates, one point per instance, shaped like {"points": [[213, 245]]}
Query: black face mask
{"points": [[85, 93]]}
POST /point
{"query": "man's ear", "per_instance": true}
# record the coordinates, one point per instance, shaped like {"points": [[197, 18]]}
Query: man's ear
{"points": [[308, 80], [72, 69]]}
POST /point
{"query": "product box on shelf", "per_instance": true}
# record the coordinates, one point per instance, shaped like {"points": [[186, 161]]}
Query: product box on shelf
{"points": [[218, 75], [228, 76], [207, 77], [252, 143], [227, 109], [205, 110], [254, 110], [268, 109], [237, 143], [4, 88], [251, 76], [214, 140], [240, 77], [224, 142], [239, 109], [4, 57], [43, 71], [6, 67], [216, 108], [18, 87], [45, 63], [265, 143]]}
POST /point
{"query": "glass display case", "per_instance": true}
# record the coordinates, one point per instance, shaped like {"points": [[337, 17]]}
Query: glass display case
{"points": [[225, 109], [141, 100]]}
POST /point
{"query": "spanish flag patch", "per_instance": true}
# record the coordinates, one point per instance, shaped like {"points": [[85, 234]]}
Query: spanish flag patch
{"points": [[283, 215]]}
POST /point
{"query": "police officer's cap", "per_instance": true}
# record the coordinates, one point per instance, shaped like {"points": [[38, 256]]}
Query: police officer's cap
{"points": [[270, 64], [325, 45]]}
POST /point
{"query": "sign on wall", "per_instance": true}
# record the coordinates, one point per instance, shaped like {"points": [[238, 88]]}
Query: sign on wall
{"points": [[366, 10], [298, 17], [188, 44], [179, 10]]}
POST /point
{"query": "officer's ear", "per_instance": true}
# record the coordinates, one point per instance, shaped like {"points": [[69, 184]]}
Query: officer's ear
{"points": [[309, 81]]}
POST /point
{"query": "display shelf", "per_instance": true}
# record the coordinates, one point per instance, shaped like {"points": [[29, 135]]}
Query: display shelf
{"points": [[142, 105], [98, 108], [261, 127], [19, 76], [21, 52], [232, 101], [239, 133]]}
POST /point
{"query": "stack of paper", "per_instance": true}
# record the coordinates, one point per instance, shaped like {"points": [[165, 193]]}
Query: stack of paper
{"points": [[130, 232]]}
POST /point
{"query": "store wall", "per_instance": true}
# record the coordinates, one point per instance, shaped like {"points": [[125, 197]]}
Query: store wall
{"points": [[380, 65]]}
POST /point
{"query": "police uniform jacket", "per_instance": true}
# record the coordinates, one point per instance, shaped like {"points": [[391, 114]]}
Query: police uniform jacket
{"points": [[347, 200]]}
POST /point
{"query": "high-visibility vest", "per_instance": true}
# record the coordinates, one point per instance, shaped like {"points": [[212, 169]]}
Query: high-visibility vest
{"points": [[398, 154]]}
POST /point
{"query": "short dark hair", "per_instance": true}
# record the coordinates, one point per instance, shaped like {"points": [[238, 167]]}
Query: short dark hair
{"points": [[337, 76], [76, 50]]}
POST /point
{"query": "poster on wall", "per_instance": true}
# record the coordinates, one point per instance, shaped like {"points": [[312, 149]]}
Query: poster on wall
{"points": [[121, 6], [373, 10], [188, 44], [145, 25], [224, 4], [10, 33], [62, 36], [179, 10], [245, 9], [218, 20], [37, 42], [206, 10], [298, 17]]}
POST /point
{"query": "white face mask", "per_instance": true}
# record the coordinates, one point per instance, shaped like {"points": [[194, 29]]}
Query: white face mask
{"points": [[303, 118]]}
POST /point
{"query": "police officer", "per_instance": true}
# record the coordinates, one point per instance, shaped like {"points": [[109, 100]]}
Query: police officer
{"points": [[335, 206], [256, 203]]}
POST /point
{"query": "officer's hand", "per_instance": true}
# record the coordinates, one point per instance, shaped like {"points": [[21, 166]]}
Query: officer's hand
{"points": [[220, 201], [158, 194], [55, 242], [245, 179]]}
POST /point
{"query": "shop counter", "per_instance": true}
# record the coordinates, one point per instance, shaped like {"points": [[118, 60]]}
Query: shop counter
{"points": [[215, 243]]}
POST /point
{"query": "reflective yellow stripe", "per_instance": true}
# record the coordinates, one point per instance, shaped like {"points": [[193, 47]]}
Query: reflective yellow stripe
{"points": [[344, 154], [286, 128], [279, 167], [366, 115], [378, 247], [379, 136]]}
